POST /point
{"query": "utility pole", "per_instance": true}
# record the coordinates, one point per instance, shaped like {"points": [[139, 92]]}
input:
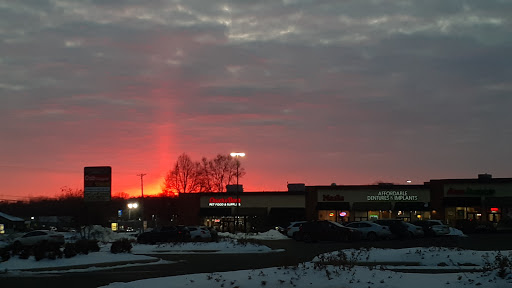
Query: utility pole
{"points": [[142, 200]]}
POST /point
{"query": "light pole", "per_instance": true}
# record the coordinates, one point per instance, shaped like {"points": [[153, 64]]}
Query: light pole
{"points": [[130, 207], [142, 201], [237, 155]]}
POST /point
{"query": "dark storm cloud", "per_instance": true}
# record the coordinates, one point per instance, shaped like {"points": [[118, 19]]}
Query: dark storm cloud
{"points": [[359, 82]]}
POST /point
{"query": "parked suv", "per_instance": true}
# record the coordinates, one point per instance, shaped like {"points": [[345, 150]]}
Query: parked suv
{"points": [[433, 227], [164, 234], [326, 230], [293, 229], [397, 227]]}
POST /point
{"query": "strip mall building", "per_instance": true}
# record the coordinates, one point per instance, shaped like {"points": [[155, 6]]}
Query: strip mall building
{"points": [[484, 199]]}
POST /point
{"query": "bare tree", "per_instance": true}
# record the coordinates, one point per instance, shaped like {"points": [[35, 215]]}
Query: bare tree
{"points": [[69, 193], [205, 176], [184, 177], [223, 172]]}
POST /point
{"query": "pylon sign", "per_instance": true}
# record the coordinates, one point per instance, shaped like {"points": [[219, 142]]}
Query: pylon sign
{"points": [[97, 183]]}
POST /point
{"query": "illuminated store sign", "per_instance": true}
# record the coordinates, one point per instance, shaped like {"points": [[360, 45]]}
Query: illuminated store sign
{"points": [[224, 201], [469, 191], [392, 196]]}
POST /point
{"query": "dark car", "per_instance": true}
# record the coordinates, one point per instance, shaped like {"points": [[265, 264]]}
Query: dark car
{"points": [[397, 227], [164, 234], [326, 231], [433, 227]]}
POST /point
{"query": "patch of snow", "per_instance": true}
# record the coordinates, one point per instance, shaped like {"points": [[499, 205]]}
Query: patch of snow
{"points": [[269, 235]]}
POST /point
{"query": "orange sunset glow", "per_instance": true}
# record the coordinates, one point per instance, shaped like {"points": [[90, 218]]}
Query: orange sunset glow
{"points": [[313, 93]]}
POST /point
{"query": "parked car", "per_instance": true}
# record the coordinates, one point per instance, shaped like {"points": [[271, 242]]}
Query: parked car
{"points": [[164, 234], [414, 230], [280, 229], [433, 227], [214, 233], [371, 231], [39, 236], [397, 227], [326, 230], [199, 233], [293, 228], [474, 226]]}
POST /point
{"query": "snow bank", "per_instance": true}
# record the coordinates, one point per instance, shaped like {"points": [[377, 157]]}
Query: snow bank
{"points": [[269, 235]]}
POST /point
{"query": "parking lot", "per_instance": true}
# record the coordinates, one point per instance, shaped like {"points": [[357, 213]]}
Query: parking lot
{"points": [[293, 252]]}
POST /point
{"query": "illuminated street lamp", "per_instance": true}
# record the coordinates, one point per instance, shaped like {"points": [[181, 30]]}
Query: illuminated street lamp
{"points": [[130, 207], [237, 155]]}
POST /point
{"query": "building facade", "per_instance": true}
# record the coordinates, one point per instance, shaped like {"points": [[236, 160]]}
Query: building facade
{"points": [[256, 211], [347, 203], [483, 199]]}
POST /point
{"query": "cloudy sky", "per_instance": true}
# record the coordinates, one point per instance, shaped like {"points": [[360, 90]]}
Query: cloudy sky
{"points": [[315, 92]]}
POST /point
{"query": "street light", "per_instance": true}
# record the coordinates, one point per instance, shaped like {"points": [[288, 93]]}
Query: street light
{"points": [[130, 207], [237, 155]]}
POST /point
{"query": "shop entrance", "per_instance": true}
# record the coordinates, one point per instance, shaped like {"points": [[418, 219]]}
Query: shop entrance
{"points": [[225, 223]]}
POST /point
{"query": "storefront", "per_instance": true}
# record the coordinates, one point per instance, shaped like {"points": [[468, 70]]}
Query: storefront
{"points": [[367, 202], [255, 210], [480, 200]]}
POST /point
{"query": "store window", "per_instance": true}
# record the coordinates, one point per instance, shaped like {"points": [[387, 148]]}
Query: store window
{"points": [[494, 215], [339, 216]]}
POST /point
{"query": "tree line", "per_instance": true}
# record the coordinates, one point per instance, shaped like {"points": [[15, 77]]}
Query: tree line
{"points": [[185, 176], [207, 175]]}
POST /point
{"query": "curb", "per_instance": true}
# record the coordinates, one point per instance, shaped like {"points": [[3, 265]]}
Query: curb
{"points": [[106, 264]]}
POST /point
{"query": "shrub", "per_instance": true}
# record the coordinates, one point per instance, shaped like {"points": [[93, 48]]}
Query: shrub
{"points": [[501, 265], [84, 246], [40, 250], [121, 246], [70, 250], [25, 253], [54, 252], [5, 254]]}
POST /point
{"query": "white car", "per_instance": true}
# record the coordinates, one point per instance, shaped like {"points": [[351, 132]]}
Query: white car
{"points": [[415, 231], [199, 233], [439, 228], [293, 228], [371, 231], [39, 236]]}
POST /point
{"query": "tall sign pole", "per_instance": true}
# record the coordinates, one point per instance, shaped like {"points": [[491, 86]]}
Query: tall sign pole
{"points": [[237, 208], [142, 200]]}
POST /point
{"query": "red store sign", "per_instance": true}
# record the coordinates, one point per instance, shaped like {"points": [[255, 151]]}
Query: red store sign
{"points": [[230, 201]]}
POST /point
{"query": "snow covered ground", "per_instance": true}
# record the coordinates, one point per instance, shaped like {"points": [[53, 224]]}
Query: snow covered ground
{"points": [[226, 245], [335, 269]]}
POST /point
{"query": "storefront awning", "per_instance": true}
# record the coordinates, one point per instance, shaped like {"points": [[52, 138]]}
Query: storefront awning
{"points": [[498, 202], [412, 206], [371, 206], [251, 211], [215, 212], [287, 211], [333, 206], [462, 201]]}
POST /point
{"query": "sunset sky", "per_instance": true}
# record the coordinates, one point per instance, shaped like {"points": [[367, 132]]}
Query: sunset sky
{"points": [[314, 92]]}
